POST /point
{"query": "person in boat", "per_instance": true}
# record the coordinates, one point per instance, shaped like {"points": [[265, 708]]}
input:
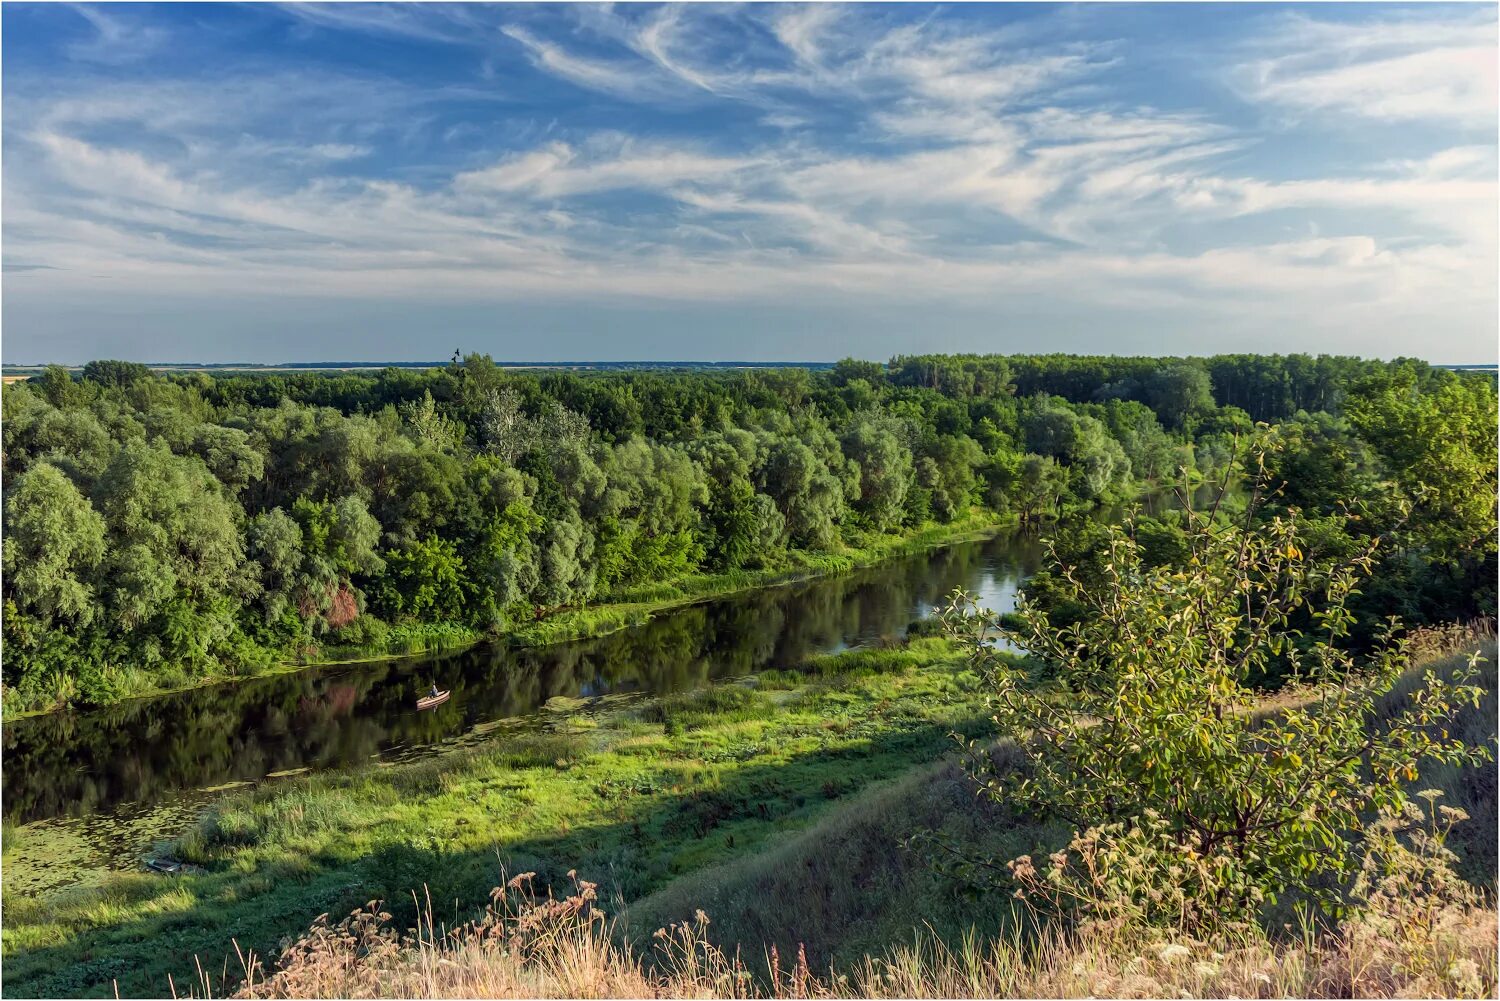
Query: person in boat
{"points": [[433, 692]]}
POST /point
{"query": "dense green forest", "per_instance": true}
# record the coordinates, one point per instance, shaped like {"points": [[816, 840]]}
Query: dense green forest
{"points": [[164, 529]]}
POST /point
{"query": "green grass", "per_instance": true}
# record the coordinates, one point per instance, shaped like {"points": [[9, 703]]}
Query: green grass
{"points": [[633, 795], [846, 886], [401, 640], [778, 805]]}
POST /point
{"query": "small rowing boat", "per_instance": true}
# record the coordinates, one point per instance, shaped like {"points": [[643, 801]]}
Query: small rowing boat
{"points": [[428, 701]]}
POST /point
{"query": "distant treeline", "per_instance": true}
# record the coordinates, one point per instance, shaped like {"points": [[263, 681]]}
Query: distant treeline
{"points": [[166, 527], [375, 366]]}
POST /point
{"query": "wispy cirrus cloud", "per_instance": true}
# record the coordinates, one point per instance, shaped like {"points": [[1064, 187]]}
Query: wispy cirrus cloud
{"points": [[1403, 68], [115, 40], [816, 154]]}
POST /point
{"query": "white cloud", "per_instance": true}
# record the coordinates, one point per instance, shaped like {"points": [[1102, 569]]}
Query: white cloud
{"points": [[617, 79], [978, 172], [115, 40], [1397, 69], [339, 151], [803, 28], [557, 170]]}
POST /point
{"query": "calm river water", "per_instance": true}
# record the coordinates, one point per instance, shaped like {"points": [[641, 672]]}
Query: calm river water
{"points": [[125, 759]]}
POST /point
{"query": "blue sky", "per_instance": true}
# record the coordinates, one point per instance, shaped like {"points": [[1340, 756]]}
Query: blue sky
{"points": [[313, 182]]}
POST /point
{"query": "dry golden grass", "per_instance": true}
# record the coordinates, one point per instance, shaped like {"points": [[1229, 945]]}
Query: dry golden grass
{"points": [[564, 949]]}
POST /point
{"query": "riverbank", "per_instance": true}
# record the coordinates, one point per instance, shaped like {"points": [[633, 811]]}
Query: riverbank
{"points": [[630, 608], [777, 803], [637, 605], [633, 792]]}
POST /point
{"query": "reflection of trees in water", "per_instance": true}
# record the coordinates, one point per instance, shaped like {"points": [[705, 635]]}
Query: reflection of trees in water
{"points": [[145, 750]]}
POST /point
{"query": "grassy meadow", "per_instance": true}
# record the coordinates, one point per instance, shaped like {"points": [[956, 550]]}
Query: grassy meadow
{"points": [[777, 806], [841, 909], [636, 793]]}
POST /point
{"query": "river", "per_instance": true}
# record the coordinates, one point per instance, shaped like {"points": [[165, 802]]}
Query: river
{"points": [[122, 761]]}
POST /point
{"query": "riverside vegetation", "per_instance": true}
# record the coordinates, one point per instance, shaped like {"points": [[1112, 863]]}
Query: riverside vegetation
{"points": [[1189, 815], [165, 530], [1266, 618]]}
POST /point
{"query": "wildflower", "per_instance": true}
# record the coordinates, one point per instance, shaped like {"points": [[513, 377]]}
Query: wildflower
{"points": [[1464, 972], [1172, 953], [1205, 969]]}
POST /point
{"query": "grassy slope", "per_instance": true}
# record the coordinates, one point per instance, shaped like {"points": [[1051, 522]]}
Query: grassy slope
{"points": [[633, 795], [621, 611], [845, 886], [858, 892]]}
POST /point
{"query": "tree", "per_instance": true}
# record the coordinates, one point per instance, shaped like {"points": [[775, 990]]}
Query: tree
{"points": [[885, 468], [171, 527], [274, 541], [1440, 450], [1096, 464], [565, 569], [57, 386], [504, 428], [1324, 466], [1148, 742], [507, 569], [945, 469], [115, 374], [425, 581], [1038, 486], [808, 495], [1178, 394], [848, 370], [731, 523], [72, 438], [53, 541], [429, 426], [228, 454]]}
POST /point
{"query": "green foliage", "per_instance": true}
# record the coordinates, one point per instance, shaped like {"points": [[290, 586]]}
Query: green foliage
{"points": [[263, 508], [1439, 447], [171, 529], [53, 540], [426, 579], [116, 374], [875, 444], [1147, 739]]}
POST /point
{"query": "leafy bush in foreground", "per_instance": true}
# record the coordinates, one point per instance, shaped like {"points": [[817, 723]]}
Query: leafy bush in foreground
{"points": [[1195, 810]]}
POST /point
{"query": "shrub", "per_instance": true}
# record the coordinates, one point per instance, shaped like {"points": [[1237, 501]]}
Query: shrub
{"points": [[1147, 739]]}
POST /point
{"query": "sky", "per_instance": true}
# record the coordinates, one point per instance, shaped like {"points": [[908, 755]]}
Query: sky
{"points": [[266, 183]]}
